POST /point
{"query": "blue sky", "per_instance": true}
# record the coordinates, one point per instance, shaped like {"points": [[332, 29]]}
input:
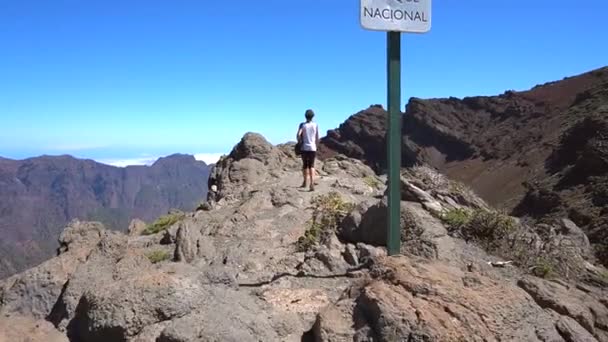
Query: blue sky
{"points": [[123, 80]]}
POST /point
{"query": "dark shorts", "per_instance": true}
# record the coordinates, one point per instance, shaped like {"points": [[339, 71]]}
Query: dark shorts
{"points": [[308, 159]]}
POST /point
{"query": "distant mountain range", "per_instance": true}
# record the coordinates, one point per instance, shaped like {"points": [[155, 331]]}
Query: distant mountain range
{"points": [[38, 196]]}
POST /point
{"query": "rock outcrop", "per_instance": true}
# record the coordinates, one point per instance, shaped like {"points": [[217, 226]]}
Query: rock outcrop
{"points": [[26, 329], [539, 153], [266, 260]]}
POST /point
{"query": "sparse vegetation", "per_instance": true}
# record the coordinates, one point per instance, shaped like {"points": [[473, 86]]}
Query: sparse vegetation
{"points": [[489, 228], [328, 211], [163, 223], [544, 256], [456, 219], [372, 181], [604, 275], [543, 268], [530, 247], [457, 187], [158, 256], [203, 206], [311, 237]]}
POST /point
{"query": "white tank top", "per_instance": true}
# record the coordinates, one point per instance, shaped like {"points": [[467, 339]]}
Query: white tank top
{"points": [[309, 135]]}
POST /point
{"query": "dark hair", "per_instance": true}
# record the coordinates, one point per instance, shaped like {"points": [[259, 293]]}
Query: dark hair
{"points": [[309, 114]]}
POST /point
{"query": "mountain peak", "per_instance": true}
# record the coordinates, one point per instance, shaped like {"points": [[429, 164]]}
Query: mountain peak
{"points": [[177, 158]]}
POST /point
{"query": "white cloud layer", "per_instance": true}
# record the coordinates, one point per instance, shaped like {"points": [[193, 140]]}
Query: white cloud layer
{"points": [[129, 162], [208, 158]]}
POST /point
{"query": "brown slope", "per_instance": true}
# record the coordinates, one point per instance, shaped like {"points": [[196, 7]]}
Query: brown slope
{"points": [[38, 196], [500, 145]]}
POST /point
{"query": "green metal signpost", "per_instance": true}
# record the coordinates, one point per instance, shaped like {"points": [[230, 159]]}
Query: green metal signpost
{"points": [[393, 139], [395, 16]]}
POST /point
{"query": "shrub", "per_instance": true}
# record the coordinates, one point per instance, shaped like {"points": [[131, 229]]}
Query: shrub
{"points": [[328, 212], [203, 206], [543, 268], [372, 182], [158, 256], [535, 247], [456, 219], [163, 223], [311, 237], [490, 228]]}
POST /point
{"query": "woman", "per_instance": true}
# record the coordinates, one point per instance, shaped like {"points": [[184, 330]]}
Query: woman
{"points": [[308, 137]]}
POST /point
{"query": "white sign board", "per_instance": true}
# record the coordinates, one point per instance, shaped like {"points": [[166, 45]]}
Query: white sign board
{"points": [[396, 15]]}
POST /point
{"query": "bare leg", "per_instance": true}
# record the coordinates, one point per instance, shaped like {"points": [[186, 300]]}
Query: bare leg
{"points": [[312, 178], [304, 176]]}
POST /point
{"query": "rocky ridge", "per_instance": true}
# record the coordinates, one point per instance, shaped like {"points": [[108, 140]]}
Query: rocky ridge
{"points": [[539, 153], [235, 270]]}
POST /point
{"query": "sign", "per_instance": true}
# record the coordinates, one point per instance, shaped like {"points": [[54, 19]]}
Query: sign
{"points": [[396, 15]]}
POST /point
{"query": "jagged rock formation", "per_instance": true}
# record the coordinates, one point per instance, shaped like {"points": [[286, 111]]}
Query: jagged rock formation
{"points": [[541, 152], [250, 265], [39, 196]]}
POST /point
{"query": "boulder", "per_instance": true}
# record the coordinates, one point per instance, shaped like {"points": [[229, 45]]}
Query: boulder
{"points": [[367, 252], [79, 234], [188, 241], [576, 235], [349, 167], [136, 227], [110, 260], [419, 230], [34, 292], [252, 161], [27, 329], [334, 324], [350, 255], [254, 146], [585, 308], [412, 193], [145, 298], [367, 224], [571, 331], [418, 300], [229, 315]]}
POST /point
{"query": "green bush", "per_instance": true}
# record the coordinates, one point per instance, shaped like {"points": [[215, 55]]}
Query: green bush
{"points": [[158, 256], [372, 182], [543, 268], [530, 247], [163, 223], [311, 237], [328, 212], [490, 228], [456, 219]]}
